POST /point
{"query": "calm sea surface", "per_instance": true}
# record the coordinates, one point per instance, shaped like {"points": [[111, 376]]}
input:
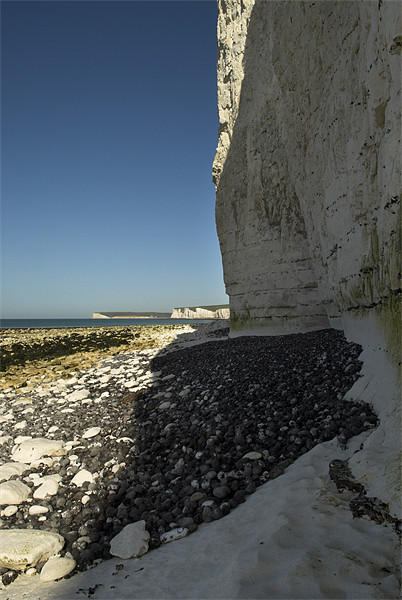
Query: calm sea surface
{"points": [[38, 323]]}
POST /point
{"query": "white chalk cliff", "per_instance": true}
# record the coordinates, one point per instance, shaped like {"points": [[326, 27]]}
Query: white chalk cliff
{"points": [[307, 175], [200, 312]]}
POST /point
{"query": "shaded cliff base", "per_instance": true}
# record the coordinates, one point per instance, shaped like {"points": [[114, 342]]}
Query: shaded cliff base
{"points": [[378, 331], [241, 324]]}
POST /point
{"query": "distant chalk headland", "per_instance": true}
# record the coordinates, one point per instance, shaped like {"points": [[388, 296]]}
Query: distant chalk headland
{"points": [[215, 311]]}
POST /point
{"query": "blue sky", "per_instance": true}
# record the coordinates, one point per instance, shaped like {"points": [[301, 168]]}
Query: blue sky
{"points": [[109, 129]]}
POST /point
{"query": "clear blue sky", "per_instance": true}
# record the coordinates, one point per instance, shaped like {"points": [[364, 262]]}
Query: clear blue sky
{"points": [[109, 129]]}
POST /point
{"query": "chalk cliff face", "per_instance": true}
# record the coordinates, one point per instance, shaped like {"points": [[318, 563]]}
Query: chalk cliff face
{"points": [[307, 173], [306, 170]]}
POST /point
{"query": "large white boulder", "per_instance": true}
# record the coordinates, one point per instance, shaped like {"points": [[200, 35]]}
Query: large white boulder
{"points": [[22, 547], [56, 568], [13, 492], [32, 450], [12, 468], [132, 541]]}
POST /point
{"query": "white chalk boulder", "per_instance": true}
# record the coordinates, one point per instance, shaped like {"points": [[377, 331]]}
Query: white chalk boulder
{"points": [[132, 541], [32, 450], [91, 432], [173, 534], [252, 455], [9, 511], [82, 476], [56, 568], [38, 509], [78, 395], [48, 488], [13, 492], [22, 547], [12, 468]]}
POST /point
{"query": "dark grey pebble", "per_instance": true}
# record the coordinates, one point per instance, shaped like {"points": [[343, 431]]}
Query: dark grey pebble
{"points": [[221, 491]]}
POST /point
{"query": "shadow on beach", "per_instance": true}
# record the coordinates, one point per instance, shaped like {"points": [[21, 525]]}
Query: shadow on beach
{"points": [[230, 415], [226, 416]]}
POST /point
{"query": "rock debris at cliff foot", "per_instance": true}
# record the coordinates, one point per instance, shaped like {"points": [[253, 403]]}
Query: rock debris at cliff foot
{"points": [[170, 440]]}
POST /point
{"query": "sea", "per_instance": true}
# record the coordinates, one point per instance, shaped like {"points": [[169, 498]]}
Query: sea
{"points": [[56, 323]]}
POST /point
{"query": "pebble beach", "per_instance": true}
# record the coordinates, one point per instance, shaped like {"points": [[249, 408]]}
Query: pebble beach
{"points": [[167, 432], [30, 356]]}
